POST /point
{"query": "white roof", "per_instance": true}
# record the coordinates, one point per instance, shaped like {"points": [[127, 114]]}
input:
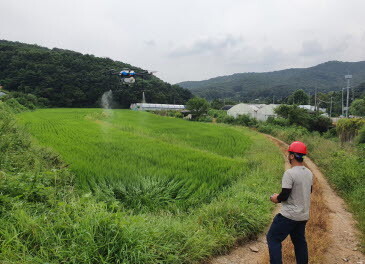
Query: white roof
{"points": [[169, 106]]}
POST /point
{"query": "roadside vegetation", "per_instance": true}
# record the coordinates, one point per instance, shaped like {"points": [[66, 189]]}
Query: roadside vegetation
{"points": [[128, 187], [338, 150]]}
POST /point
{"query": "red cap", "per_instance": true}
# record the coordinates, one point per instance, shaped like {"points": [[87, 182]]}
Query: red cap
{"points": [[298, 147]]}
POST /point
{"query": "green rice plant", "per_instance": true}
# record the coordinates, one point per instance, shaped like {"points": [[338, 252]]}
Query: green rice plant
{"points": [[138, 188]]}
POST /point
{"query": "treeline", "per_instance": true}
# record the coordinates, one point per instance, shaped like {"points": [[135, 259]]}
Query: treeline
{"points": [[64, 78]]}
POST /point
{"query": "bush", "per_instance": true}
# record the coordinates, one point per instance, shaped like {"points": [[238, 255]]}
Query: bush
{"points": [[348, 128], [29, 101], [227, 120], [241, 120], [205, 118], [360, 139], [301, 117], [14, 106], [330, 134], [217, 113], [266, 128], [176, 114], [280, 121], [319, 123]]}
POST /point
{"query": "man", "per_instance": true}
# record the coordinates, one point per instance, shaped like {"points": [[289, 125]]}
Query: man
{"points": [[295, 198]]}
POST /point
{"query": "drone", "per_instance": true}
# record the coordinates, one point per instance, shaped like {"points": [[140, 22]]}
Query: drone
{"points": [[127, 76]]}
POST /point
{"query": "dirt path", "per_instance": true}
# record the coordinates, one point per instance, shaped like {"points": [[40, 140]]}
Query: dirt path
{"points": [[331, 232]]}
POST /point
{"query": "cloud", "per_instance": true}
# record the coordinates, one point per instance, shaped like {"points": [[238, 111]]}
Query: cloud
{"points": [[206, 45], [194, 39], [150, 43], [311, 48]]}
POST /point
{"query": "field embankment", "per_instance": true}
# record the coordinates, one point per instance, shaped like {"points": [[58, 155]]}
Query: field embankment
{"points": [[141, 188]]}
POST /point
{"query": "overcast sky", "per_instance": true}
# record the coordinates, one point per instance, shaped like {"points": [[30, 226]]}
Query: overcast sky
{"points": [[194, 39]]}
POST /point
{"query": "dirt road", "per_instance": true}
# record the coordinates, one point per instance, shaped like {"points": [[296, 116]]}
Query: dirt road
{"points": [[331, 232]]}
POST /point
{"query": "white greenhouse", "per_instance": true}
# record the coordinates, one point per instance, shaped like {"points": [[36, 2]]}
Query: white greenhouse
{"points": [[147, 106], [259, 111]]}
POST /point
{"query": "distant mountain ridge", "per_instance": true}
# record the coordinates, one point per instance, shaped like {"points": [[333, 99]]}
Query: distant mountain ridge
{"points": [[328, 76]]}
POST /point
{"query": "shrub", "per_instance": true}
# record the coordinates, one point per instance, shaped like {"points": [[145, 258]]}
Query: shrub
{"points": [[348, 128], [227, 120], [14, 106], [360, 139], [266, 128], [319, 123], [205, 118], [280, 121], [301, 117], [30, 101], [217, 113]]}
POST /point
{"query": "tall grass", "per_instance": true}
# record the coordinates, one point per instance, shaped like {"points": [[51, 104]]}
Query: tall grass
{"points": [[49, 216]]}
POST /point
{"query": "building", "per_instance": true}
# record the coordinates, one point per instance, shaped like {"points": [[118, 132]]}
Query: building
{"points": [[312, 108], [147, 106], [227, 107], [259, 111]]}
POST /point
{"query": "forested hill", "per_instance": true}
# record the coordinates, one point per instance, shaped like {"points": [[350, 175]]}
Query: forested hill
{"points": [[326, 77], [70, 79]]}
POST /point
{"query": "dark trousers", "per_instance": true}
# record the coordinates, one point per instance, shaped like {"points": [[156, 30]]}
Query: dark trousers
{"points": [[280, 228]]}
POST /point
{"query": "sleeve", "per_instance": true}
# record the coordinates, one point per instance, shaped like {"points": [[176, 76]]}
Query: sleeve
{"points": [[284, 195], [287, 181]]}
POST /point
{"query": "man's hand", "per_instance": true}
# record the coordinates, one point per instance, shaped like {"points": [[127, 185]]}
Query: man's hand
{"points": [[274, 198]]}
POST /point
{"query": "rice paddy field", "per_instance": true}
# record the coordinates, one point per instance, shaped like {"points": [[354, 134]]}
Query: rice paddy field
{"points": [[151, 189]]}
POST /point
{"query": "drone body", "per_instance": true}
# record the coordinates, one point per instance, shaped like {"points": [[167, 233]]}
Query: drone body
{"points": [[128, 76]]}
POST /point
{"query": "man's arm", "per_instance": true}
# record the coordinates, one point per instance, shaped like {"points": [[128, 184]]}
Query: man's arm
{"points": [[284, 195]]}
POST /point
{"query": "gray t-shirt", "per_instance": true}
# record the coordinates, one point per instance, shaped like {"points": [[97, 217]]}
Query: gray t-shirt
{"points": [[299, 179]]}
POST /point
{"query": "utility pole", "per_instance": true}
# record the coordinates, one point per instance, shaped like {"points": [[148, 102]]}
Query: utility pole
{"points": [[315, 99], [331, 108], [343, 114], [309, 98], [348, 77]]}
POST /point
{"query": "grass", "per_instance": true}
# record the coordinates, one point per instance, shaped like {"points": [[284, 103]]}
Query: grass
{"points": [[135, 188]]}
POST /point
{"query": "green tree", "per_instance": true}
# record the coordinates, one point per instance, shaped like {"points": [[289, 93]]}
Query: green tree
{"points": [[217, 104], [198, 106], [301, 117], [357, 107], [299, 97], [65, 78]]}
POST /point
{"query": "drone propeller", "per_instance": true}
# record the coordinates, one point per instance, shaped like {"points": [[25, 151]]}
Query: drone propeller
{"points": [[111, 71]]}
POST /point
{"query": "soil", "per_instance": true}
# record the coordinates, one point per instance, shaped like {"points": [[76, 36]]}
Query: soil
{"points": [[331, 233]]}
